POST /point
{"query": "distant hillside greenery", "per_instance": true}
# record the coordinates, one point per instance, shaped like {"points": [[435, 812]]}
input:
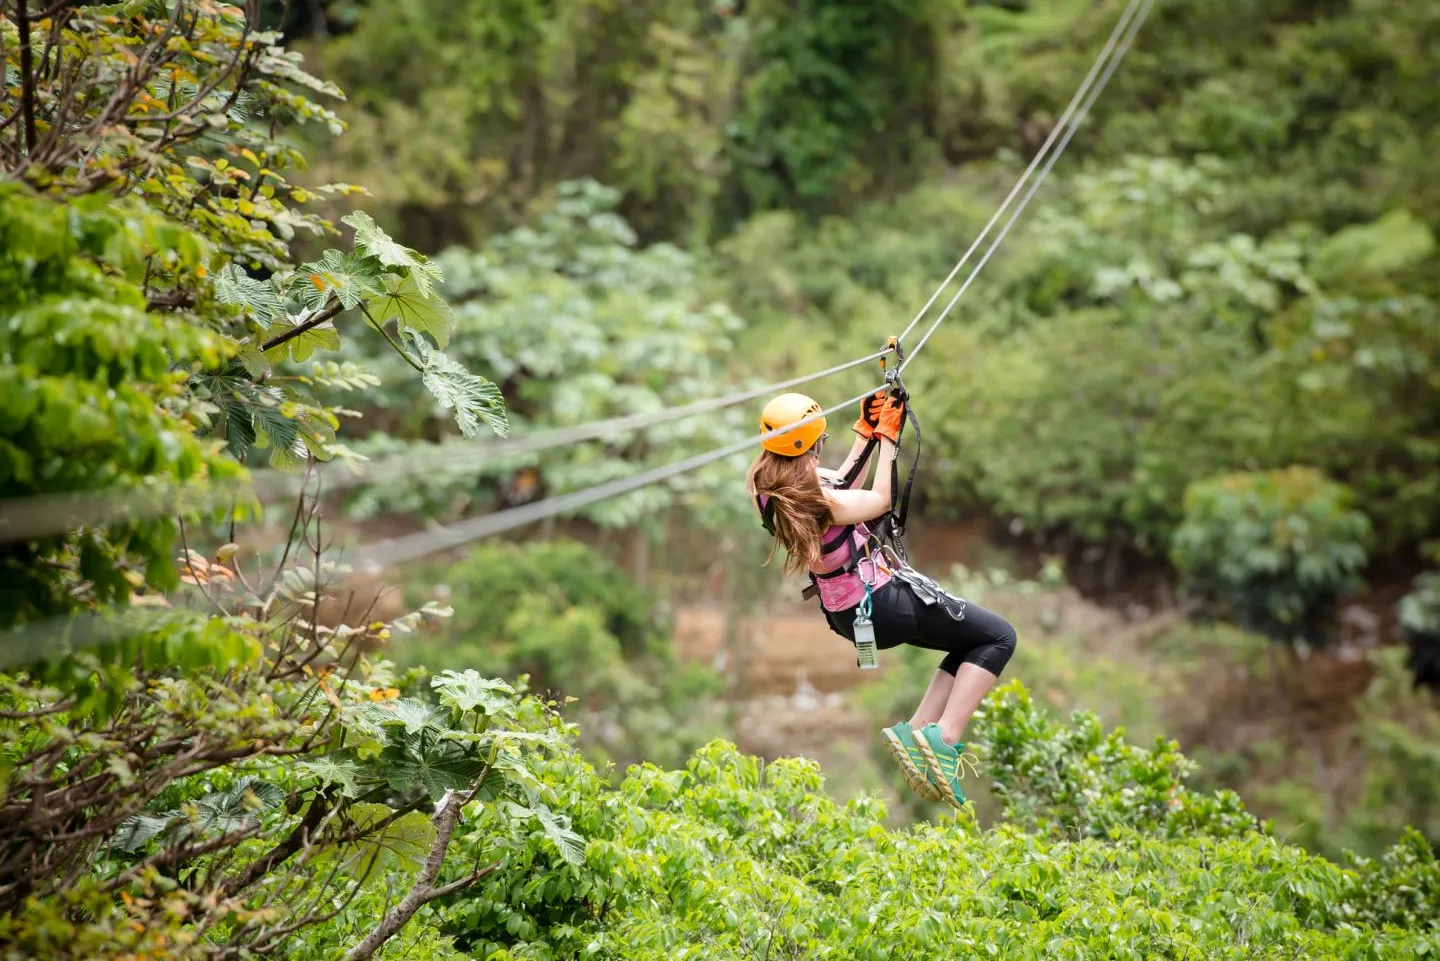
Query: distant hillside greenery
{"points": [[207, 749], [1231, 274]]}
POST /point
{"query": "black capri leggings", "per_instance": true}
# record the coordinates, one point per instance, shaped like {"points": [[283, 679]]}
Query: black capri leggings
{"points": [[974, 636]]}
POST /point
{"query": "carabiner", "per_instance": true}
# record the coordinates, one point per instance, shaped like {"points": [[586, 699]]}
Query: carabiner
{"points": [[866, 605], [892, 375]]}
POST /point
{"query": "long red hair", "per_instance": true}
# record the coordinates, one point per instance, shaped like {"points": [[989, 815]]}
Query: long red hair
{"points": [[800, 511]]}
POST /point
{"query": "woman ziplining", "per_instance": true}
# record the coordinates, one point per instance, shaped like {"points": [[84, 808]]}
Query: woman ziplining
{"points": [[869, 595]]}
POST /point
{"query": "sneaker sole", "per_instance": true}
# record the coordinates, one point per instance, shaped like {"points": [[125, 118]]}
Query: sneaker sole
{"points": [[933, 762], [916, 778]]}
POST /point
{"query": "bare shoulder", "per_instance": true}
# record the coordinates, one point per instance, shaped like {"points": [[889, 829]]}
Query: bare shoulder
{"points": [[854, 506]]}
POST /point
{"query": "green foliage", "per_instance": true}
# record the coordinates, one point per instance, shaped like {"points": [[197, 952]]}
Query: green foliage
{"points": [[578, 323], [1076, 781], [97, 394], [1241, 280], [566, 574], [561, 614], [1274, 549], [836, 92], [274, 803], [1419, 613], [1237, 274], [1402, 888], [731, 857], [1140, 345], [139, 329]]}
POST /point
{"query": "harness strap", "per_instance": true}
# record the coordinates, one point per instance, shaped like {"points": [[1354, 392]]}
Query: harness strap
{"points": [[858, 468], [900, 508], [847, 533]]}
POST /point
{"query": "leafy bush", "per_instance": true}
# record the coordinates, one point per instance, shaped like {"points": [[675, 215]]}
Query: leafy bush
{"points": [[206, 807], [1402, 888], [561, 614], [1076, 781], [731, 857], [104, 403], [205, 772], [579, 323], [139, 330], [1274, 549]]}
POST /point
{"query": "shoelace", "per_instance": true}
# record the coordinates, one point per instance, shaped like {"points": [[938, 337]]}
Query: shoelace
{"points": [[967, 758]]}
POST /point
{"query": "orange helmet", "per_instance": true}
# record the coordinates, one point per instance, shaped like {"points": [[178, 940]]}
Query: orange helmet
{"points": [[783, 411]]}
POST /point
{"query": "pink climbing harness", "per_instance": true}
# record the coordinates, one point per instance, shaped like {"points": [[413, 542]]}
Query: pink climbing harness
{"points": [[847, 565]]}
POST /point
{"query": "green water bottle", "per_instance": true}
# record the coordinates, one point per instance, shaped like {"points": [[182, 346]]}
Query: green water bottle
{"points": [[866, 654]]}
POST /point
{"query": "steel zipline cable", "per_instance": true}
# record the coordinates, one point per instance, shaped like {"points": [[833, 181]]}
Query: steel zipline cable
{"points": [[52, 514], [409, 547], [1121, 26], [1142, 9], [36, 520]]}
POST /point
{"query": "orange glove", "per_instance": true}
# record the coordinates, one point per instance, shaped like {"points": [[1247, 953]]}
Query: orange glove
{"points": [[869, 414], [891, 419]]}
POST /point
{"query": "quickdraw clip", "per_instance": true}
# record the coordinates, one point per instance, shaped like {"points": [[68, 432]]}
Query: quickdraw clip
{"points": [[892, 375]]}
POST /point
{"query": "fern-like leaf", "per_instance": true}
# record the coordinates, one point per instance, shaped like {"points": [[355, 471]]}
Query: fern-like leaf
{"points": [[260, 299], [139, 829], [472, 397], [371, 241], [351, 278]]}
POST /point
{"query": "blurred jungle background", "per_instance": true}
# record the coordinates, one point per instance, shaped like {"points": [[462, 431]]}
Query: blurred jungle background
{"points": [[1183, 430], [1197, 388]]}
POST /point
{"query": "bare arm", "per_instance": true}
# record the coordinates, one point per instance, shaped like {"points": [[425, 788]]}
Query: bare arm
{"points": [[858, 506]]}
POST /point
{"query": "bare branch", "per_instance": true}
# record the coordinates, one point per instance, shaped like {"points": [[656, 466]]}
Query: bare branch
{"points": [[281, 852], [177, 855], [51, 11], [57, 708], [27, 75], [447, 816], [327, 312], [463, 883]]}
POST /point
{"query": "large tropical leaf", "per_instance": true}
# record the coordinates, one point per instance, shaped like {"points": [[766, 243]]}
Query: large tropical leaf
{"points": [[371, 241], [473, 398], [414, 309], [468, 690]]}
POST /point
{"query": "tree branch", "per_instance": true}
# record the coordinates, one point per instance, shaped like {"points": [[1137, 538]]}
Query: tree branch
{"points": [[27, 75], [51, 11], [280, 853], [327, 312], [57, 708], [447, 816], [463, 883], [174, 300], [179, 854]]}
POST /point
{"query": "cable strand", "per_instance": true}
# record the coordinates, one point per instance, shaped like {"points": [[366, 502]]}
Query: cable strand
{"points": [[416, 545], [1130, 33], [1055, 132]]}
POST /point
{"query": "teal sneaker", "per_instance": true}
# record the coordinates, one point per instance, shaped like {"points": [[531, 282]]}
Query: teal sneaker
{"points": [[900, 739], [946, 763]]}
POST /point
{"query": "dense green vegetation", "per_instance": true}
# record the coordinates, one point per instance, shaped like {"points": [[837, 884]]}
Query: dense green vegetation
{"points": [[1213, 350], [1232, 270]]}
